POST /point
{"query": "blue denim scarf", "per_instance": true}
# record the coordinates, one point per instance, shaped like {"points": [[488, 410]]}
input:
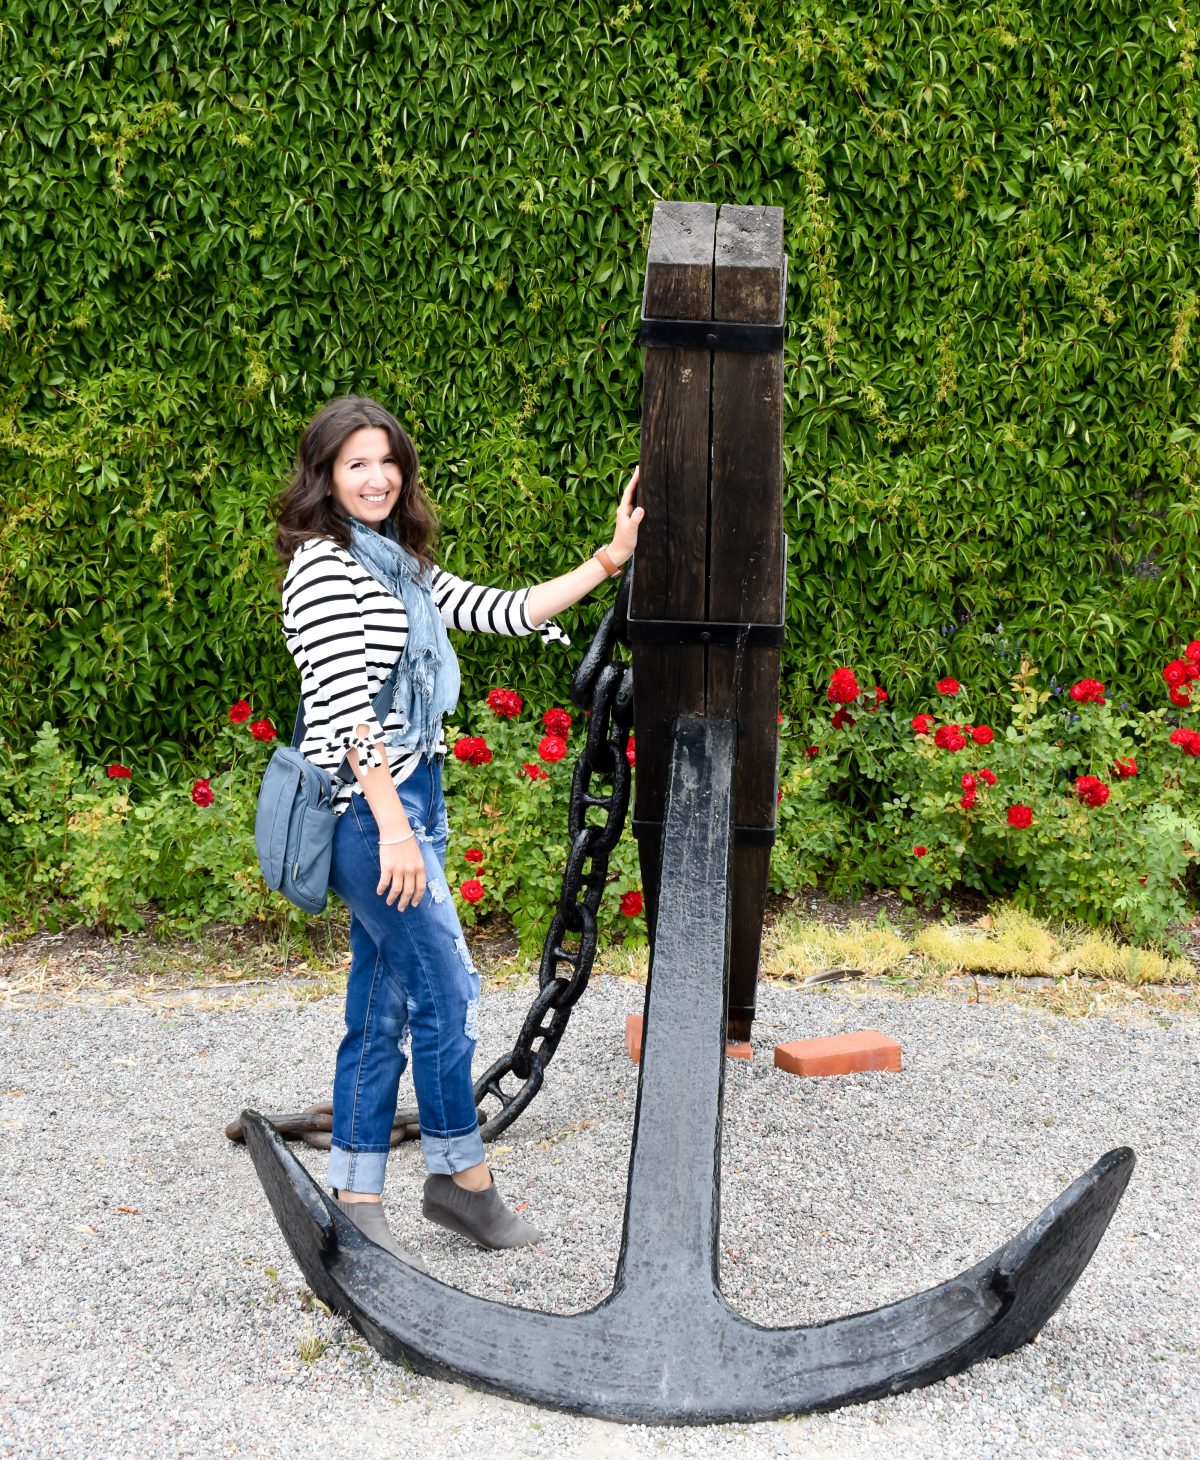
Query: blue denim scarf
{"points": [[429, 681]]}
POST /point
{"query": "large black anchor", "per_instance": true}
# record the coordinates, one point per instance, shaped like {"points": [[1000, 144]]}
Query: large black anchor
{"points": [[664, 1347]]}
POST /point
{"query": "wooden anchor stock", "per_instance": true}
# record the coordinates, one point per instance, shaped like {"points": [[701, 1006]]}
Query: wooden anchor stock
{"points": [[706, 606]]}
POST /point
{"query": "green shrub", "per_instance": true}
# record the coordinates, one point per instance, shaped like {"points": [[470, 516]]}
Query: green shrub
{"points": [[508, 816], [873, 799]]}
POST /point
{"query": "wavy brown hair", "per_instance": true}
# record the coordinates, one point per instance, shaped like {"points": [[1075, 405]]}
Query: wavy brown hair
{"points": [[304, 509]]}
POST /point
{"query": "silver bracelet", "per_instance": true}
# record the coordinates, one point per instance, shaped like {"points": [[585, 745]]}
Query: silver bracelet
{"points": [[400, 840]]}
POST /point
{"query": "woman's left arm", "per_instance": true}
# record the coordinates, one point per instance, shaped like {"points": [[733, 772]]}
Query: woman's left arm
{"points": [[547, 599]]}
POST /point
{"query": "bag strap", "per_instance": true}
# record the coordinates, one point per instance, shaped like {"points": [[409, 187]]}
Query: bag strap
{"points": [[380, 706]]}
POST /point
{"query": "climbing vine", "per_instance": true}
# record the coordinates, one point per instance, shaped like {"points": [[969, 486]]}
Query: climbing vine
{"points": [[218, 217]]}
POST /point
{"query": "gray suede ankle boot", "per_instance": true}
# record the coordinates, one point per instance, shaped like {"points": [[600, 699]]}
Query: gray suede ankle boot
{"points": [[368, 1217], [479, 1215]]}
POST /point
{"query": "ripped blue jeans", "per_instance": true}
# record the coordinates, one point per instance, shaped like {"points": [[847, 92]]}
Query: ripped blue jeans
{"points": [[409, 971]]}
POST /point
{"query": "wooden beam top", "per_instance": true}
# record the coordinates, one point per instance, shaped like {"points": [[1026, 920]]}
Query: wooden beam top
{"points": [[749, 264], [680, 261]]}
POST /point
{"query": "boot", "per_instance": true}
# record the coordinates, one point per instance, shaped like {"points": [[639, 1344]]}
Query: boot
{"points": [[368, 1217], [479, 1215]]}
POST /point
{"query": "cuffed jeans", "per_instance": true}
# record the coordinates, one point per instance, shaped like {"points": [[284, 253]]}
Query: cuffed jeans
{"points": [[411, 970]]}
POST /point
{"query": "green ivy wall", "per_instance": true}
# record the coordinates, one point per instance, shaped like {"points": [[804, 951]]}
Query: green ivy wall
{"points": [[216, 216]]}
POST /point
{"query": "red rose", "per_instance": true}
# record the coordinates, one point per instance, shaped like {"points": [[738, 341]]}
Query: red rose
{"points": [[1123, 769], [947, 686], [557, 722], [967, 800], [505, 704], [119, 773], [922, 724], [1176, 673], [881, 695], [472, 749], [473, 854], [779, 721], [1187, 740], [1087, 692], [262, 730], [534, 772], [631, 752], [840, 720], [843, 687], [779, 797], [1020, 815], [239, 711], [1192, 652], [968, 781], [202, 794], [811, 750], [552, 748], [1091, 790], [631, 904], [982, 734], [988, 775], [949, 737], [1180, 698], [919, 851], [471, 889]]}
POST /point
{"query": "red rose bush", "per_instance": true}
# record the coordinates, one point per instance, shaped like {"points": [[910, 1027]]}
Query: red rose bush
{"points": [[1082, 808], [508, 791]]}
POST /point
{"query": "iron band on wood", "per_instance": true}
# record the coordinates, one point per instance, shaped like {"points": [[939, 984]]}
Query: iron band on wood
{"points": [[710, 334], [703, 631]]}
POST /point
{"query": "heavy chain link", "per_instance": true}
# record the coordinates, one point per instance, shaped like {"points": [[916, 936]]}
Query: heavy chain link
{"points": [[605, 687]]}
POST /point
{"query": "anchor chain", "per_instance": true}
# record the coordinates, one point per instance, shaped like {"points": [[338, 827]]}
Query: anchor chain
{"points": [[605, 686]]}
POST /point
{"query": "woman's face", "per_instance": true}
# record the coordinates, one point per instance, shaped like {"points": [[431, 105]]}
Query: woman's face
{"points": [[366, 477]]}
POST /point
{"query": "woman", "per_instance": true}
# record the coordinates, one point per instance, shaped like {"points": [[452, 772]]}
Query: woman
{"points": [[361, 592]]}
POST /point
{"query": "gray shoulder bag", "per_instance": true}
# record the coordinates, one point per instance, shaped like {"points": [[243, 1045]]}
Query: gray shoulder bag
{"points": [[295, 821]]}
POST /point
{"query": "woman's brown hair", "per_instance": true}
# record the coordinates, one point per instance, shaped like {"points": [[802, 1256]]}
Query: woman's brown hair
{"points": [[305, 509]]}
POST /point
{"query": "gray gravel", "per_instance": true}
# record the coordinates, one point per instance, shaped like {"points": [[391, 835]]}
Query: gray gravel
{"points": [[176, 1328]]}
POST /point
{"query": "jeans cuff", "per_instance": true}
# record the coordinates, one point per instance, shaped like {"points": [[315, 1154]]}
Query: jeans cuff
{"points": [[357, 1170], [444, 1155]]}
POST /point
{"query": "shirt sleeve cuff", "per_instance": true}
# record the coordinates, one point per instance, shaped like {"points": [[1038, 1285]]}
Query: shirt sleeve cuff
{"points": [[367, 745], [549, 631]]}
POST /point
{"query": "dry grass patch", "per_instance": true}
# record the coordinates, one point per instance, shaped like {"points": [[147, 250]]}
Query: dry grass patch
{"points": [[1006, 942]]}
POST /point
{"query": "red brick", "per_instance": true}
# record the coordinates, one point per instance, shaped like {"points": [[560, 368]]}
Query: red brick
{"points": [[741, 1050], [839, 1054]]}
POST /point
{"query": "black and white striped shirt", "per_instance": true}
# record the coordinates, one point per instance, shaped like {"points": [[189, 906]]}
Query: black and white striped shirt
{"points": [[345, 631]]}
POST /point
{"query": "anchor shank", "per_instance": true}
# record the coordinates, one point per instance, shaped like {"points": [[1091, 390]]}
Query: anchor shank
{"points": [[672, 1216]]}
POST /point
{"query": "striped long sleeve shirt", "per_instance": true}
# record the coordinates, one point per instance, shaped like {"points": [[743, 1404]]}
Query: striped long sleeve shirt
{"points": [[345, 631]]}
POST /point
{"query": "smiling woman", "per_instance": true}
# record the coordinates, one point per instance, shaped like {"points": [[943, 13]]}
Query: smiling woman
{"points": [[360, 595]]}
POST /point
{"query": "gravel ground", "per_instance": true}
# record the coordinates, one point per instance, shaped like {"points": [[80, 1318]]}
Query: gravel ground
{"points": [[150, 1307]]}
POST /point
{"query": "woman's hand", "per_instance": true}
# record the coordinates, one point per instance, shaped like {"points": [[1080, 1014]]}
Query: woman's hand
{"points": [[402, 874], [629, 517], [546, 599]]}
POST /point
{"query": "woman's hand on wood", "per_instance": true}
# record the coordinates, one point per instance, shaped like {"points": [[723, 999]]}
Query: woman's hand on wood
{"points": [[402, 874], [629, 517]]}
